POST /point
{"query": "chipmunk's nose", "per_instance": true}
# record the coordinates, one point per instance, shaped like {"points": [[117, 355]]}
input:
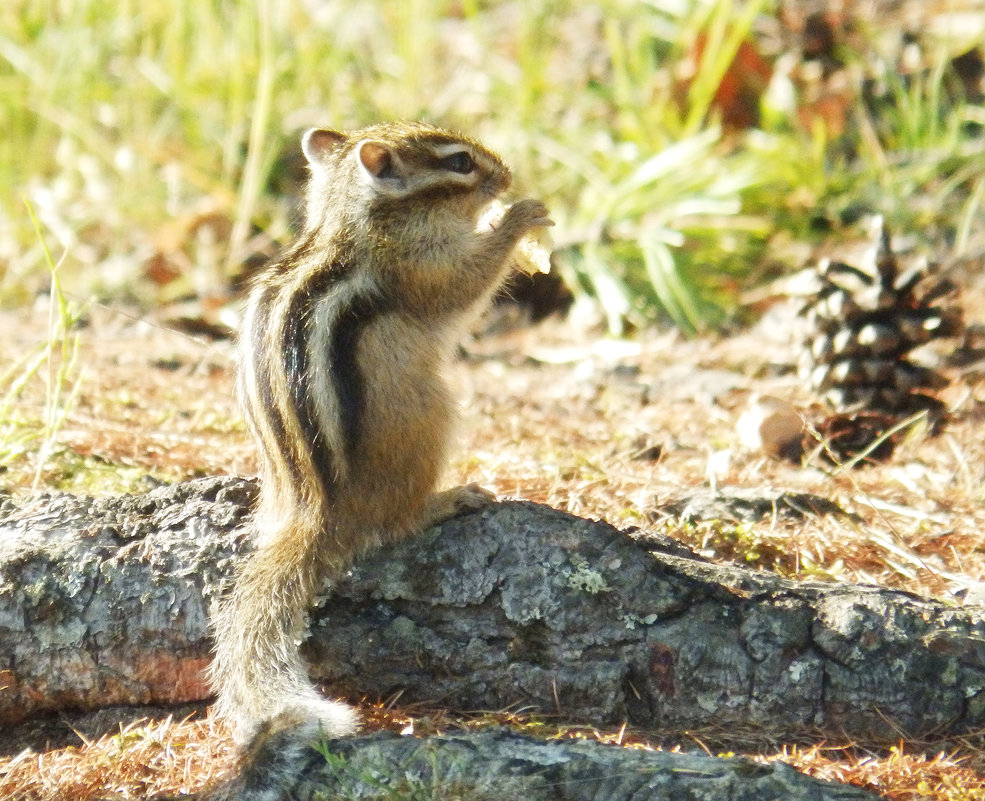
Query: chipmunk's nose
{"points": [[497, 182]]}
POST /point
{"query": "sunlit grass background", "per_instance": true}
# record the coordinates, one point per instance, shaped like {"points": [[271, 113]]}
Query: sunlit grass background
{"points": [[119, 117]]}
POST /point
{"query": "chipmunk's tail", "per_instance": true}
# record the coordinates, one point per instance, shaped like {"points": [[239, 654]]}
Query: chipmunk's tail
{"points": [[257, 671]]}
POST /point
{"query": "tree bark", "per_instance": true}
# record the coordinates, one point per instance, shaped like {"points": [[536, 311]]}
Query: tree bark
{"points": [[105, 602], [499, 764]]}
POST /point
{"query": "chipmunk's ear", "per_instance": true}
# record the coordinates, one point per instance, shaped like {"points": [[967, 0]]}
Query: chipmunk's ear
{"points": [[381, 167], [319, 143], [375, 157]]}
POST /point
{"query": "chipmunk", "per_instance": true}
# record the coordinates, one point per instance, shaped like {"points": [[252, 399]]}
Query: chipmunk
{"points": [[342, 352]]}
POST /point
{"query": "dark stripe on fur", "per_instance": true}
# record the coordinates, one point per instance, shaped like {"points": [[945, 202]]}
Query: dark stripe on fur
{"points": [[437, 192], [297, 331], [293, 255], [266, 404], [347, 379]]}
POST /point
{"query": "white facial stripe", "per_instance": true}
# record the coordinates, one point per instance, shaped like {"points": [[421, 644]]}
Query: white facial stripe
{"points": [[448, 148]]}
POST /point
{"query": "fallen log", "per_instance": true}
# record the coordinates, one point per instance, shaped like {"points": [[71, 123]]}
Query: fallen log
{"points": [[105, 602], [498, 764]]}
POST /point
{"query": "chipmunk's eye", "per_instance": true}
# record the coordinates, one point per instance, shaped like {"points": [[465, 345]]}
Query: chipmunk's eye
{"points": [[460, 162]]}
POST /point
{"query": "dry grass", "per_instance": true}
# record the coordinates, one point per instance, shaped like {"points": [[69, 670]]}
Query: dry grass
{"points": [[145, 759], [168, 758], [556, 415]]}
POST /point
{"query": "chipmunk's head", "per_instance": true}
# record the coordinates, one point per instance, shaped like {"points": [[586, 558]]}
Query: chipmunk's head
{"points": [[397, 171]]}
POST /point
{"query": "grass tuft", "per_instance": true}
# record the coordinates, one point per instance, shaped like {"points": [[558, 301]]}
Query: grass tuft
{"points": [[621, 115]]}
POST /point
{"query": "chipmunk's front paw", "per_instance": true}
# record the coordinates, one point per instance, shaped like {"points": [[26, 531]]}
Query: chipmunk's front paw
{"points": [[525, 215]]}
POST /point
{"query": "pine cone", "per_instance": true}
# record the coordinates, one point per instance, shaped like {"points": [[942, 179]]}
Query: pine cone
{"points": [[865, 319]]}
